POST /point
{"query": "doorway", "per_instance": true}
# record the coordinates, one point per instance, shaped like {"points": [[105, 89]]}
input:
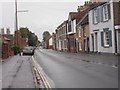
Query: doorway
{"points": [[96, 42], [92, 42]]}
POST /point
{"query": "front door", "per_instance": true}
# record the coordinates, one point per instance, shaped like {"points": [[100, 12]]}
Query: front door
{"points": [[96, 42], [92, 42]]}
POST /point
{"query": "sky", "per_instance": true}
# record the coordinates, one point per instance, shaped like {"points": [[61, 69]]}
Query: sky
{"points": [[42, 16]]}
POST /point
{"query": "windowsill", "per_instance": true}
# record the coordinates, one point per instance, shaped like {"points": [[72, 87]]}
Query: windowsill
{"points": [[106, 46], [105, 20], [95, 23]]}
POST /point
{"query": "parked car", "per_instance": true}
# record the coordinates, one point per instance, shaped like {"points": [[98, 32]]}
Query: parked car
{"points": [[28, 50]]}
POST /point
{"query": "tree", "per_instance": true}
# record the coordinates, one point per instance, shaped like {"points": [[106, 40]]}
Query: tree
{"points": [[46, 35], [32, 38], [24, 32]]}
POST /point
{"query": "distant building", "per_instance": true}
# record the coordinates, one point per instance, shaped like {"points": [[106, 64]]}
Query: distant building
{"points": [[50, 43], [7, 43], [54, 41]]}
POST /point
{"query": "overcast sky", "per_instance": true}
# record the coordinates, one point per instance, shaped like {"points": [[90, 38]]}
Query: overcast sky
{"points": [[41, 16]]}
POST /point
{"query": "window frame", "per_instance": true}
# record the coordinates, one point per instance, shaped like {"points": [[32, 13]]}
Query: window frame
{"points": [[105, 12], [106, 38], [95, 16]]}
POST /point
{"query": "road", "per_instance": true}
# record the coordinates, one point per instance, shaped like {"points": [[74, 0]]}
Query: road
{"points": [[68, 70]]}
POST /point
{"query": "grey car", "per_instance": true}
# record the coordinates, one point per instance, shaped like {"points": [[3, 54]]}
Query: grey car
{"points": [[28, 50]]}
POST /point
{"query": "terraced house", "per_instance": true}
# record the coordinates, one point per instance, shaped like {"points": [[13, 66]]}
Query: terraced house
{"points": [[102, 27], [82, 29], [61, 37]]}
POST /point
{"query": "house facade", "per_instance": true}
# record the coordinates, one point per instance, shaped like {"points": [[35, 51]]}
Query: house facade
{"points": [[102, 32], [61, 37], [84, 34], [71, 31], [7, 43], [54, 41], [82, 29]]}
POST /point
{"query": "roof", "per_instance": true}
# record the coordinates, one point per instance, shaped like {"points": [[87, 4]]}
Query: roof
{"points": [[81, 15], [78, 15], [94, 5], [9, 36], [73, 15], [62, 24], [6, 39]]}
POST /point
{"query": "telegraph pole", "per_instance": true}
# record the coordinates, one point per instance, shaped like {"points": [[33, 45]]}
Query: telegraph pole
{"points": [[16, 24]]}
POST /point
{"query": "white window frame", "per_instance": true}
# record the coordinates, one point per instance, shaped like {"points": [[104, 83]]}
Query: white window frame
{"points": [[105, 13], [106, 38], [79, 32], [80, 47], [95, 12]]}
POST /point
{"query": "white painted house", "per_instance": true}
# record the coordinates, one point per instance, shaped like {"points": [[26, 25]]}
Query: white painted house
{"points": [[102, 28]]}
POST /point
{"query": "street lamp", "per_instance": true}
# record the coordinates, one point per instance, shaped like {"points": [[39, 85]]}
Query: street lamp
{"points": [[16, 22]]}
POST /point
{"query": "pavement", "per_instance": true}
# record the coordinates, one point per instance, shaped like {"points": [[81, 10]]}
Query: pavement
{"points": [[105, 59], [16, 72]]}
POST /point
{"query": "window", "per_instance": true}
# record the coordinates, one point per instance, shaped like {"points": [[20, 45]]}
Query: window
{"points": [[106, 38], [106, 35], [95, 16], [69, 26], [79, 32], [105, 12], [80, 47], [84, 33]]}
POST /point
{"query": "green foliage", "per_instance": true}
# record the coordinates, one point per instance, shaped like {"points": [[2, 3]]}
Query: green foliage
{"points": [[32, 38], [16, 49], [24, 32], [46, 35]]}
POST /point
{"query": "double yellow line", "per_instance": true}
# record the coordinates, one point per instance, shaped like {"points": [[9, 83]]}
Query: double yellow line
{"points": [[39, 75]]}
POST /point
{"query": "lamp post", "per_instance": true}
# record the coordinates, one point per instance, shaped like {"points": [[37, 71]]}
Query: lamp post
{"points": [[16, 23]]}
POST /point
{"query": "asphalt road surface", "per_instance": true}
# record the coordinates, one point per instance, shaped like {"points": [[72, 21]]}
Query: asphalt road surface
{"points": [[69, 71]]}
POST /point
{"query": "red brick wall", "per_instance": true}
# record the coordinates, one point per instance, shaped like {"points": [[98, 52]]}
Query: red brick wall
{"points": [[116, 11], [71, 43], [5, 53]]}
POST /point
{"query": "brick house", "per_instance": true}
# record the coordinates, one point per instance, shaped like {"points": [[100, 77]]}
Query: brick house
{"points": [[71, 31], [82, 29], [21, 42], [61, 37], [7, 42], [54, 41], [7, 49], [46, 42], [82, 35]]}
